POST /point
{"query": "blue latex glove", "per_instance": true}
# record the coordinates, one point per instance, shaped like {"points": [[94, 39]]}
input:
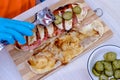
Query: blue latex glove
{"points": [[14, 30]]}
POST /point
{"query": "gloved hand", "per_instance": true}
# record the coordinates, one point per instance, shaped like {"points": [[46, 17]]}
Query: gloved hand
{"points": [[13, 30]]}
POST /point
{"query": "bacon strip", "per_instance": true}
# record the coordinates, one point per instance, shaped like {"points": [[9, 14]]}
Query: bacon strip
{"points": [[68, 23], [59, 12], [33, 38], [50, 30], [41, 32], [83, 13]]}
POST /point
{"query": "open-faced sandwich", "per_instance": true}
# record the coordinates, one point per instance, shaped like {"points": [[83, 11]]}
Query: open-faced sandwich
{"points": [[63, 40]]}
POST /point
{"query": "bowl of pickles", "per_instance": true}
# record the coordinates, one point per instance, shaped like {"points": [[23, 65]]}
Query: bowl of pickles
{"points": [[104, 63]]}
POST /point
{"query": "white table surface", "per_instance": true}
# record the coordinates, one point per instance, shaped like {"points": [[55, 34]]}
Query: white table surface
{"points": [[77, 70]]}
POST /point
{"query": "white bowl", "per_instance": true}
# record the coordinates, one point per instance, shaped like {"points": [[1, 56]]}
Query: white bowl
{"points": [[97, 55]]}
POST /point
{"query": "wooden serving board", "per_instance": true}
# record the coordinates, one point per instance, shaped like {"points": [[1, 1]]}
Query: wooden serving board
{"points": [[20, 57]]}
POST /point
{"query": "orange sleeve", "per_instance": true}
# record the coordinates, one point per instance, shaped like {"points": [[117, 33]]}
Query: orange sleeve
{"points": [[12, 8]]}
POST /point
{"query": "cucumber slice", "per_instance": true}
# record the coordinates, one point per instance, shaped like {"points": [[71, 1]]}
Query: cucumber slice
{"points": [[58, 19], [67, 15], [77, 10]]}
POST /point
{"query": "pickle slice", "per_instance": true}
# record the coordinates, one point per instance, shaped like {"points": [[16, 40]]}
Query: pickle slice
{"points": [[95, 72], [103, 77], [117, 74], [58, 19], [107, 65], [67, 15], [99, 66], [113, 79], [108, 73], [77, 10], [116, 64], [110, 56]]}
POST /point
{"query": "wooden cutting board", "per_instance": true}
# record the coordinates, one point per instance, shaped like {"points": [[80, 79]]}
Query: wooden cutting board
{"points": [[20, 57]]}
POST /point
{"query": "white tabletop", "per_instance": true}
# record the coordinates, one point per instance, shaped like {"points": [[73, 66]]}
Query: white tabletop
{"points": [[77, 70]]}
